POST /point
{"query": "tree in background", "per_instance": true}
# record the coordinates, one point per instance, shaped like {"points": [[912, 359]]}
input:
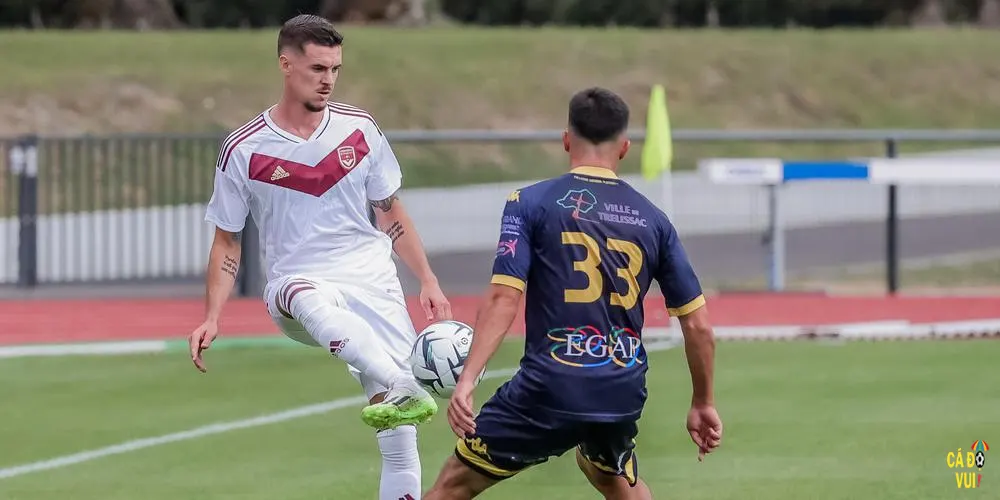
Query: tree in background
{"points": [[165, 14], [367, 11], [989, 13]]}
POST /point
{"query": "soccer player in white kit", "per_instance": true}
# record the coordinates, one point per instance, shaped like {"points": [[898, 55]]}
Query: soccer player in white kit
{"points": [[308, 170]]}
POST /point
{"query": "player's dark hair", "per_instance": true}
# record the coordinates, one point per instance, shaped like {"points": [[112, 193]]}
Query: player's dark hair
{"points": [[598, 115], [308, 28]]}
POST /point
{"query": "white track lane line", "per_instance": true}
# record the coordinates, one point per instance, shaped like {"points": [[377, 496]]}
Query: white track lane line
{"points": [[208, 430]]}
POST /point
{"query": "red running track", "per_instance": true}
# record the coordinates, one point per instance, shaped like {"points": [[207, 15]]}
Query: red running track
{"points": [[34, 321]]}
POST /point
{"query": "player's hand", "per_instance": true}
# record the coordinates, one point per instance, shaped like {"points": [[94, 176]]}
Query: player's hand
{"points": [[434, 303], [705, 427], [201, 338], [460, 416]]}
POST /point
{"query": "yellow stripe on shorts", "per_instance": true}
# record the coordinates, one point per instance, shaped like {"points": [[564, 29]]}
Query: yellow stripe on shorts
{"points": [[480, 462]]}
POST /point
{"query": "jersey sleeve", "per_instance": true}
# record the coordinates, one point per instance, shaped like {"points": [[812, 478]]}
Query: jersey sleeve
{"points": [[678, 282], [513, 257], [230, 203], [384, 176]]}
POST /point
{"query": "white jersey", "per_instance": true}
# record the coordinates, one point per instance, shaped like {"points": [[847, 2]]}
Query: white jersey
{"points": [[310, 198]]}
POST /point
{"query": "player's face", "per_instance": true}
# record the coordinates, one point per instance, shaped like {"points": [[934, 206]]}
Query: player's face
{"points": [[311, 75]]}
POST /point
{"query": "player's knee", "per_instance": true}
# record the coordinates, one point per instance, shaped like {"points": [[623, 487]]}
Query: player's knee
{"points": [[455, 482], [301, 298], [612, 487]]}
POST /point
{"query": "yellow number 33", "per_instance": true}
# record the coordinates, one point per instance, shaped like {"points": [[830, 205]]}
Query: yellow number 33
{"points": [[590, 265]]}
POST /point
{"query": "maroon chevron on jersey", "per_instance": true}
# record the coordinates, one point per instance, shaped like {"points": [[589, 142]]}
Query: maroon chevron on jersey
{"points": [[311, 179]]}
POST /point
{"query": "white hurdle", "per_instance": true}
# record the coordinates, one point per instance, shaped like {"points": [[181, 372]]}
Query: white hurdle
{"points": [[773, 172]]}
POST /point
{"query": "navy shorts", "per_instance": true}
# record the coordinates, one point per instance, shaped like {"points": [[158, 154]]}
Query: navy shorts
{"points": [[510, 438]]}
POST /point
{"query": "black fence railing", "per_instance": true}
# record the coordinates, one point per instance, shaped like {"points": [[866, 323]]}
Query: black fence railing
{"points": [[107, 209], [104, 209], [10, 190], [100, 174]]}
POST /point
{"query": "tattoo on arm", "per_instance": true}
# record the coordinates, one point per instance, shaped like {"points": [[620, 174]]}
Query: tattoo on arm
{"points": [[237, 237], [386, 204], [395, 231], [230, 266]]}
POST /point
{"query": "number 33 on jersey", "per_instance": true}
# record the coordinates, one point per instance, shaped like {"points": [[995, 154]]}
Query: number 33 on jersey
{"points": [[591, 240]]}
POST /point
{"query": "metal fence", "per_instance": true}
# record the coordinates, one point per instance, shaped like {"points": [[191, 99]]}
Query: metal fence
{"points": [[103, 209], [130, 207]]}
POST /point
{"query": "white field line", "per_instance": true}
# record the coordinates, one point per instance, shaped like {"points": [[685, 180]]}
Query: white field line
{"points": [[94, 349], [208, 430]]}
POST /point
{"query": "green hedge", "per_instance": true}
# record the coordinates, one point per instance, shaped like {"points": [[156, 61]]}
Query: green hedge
{"points": [[647, 13], [731, 13]]}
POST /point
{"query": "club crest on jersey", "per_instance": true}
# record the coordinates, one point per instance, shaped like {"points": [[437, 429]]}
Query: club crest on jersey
{"points": [[583, 201], [347, 156], [580, 201]]}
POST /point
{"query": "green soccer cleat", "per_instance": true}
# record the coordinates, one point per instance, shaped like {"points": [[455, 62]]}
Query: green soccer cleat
{"points": [[405, 404]]}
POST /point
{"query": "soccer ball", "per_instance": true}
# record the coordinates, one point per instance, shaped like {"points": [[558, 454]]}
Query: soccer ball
{"points": [[439, 354]]}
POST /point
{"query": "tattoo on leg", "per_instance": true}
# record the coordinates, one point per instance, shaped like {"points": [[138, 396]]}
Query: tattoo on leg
{"points": [[395, 231], [386, 204], [230, 266]]}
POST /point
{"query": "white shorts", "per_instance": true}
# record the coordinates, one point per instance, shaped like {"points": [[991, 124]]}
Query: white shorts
{"points": [[385, 311]]}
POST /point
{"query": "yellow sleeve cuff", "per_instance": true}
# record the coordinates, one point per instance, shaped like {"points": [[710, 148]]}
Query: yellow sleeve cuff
{"points": [[688, 308], [503, 279]]}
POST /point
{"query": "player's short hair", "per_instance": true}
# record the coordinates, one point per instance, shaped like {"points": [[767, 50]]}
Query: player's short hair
{"points": [[308, 28], [598, 115]]}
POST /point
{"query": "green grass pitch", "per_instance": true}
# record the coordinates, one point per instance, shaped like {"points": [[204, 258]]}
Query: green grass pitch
{"points": [[803, 420]]}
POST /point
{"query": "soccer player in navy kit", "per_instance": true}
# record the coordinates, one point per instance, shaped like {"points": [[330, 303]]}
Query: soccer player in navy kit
{"points": [[584, 247]]}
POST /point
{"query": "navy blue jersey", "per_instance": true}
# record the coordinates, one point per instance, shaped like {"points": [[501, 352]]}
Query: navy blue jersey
{"points": [[585, 247]]}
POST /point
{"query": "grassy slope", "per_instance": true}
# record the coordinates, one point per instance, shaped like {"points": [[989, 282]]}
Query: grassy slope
{"points": [[802, 421], [467, 78]]}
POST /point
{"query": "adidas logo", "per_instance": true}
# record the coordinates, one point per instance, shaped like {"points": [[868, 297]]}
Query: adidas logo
{"points": [[279, 173]]}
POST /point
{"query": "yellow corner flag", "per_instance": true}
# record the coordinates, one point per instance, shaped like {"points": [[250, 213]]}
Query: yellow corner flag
{"points": [[658, 149]]}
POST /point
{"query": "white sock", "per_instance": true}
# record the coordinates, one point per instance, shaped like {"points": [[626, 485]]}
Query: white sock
{"points": [[345, 334], [400, 464]]}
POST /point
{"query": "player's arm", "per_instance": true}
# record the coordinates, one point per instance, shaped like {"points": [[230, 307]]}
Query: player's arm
{"points": [[393, 219], [699, 347], [510, 275], [703, 421], [499, 307], [495, 316], [223, 265], [227, 210], [685, 300], [494, 319], [382, 184]]}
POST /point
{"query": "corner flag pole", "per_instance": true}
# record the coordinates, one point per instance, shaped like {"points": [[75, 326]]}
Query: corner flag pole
{"points": [[658, 150]]}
